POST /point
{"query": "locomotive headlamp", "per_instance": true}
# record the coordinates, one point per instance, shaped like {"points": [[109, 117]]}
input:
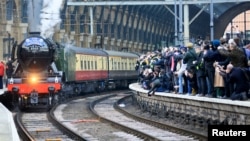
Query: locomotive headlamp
{"points": [[33, 79]]}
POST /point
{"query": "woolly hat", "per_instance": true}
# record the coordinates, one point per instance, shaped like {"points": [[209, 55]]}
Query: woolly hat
{"points": [[189, 45], [215, 43]]}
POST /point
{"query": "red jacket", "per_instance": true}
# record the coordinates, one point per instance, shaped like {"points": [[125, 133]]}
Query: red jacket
{"points": [[1, 69]]}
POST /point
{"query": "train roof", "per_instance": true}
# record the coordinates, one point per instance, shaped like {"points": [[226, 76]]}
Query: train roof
{"points": [[122, 54], [89, 51], [93, 51]]}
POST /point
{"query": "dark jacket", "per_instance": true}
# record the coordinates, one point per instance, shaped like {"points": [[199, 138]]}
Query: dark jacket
{"points": [[237, 77], [209, 59], [189, 57], [200, 68], [2, 69]]}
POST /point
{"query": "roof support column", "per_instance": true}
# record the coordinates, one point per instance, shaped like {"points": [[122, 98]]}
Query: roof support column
{"points": [[91, 20], [186, 24], [175, 24], [180, 23], [211, 20]]}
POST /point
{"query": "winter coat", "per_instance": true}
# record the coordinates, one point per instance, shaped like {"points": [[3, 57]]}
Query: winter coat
{"points": [[2, 69], [237, 57]]}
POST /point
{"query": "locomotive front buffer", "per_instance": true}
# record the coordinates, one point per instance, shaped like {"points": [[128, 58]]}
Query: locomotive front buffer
{"points": [[35, 93]]}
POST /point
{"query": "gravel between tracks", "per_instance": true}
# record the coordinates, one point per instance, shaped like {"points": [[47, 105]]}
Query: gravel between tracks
{"points": [[77, 117]]}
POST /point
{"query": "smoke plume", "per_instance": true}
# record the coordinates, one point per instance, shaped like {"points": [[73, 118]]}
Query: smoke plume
{"points": [[50, 17]]}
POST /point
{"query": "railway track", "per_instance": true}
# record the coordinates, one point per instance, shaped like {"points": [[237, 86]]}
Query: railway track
{"points": [[42, 126], [39, 124], [163, 124], [143, 128], [109, 113]]}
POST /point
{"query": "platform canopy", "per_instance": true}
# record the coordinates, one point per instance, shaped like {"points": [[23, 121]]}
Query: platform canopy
{"points": [[220, 6]]}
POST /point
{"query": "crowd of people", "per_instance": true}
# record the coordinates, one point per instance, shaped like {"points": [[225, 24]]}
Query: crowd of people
{"points": [[217, 69]]}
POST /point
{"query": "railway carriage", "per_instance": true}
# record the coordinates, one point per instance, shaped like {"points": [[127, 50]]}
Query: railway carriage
{"points": [[121, 68], [85, 69]]}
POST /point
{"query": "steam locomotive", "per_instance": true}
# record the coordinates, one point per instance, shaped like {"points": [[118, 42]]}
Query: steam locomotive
{"points": [[47, 72]]}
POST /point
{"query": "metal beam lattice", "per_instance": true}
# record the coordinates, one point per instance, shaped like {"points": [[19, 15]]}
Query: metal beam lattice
{"points": [[158, 2]]}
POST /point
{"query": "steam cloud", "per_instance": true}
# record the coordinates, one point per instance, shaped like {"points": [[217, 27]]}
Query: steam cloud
{"points": [[34, 9], [50, 17]]}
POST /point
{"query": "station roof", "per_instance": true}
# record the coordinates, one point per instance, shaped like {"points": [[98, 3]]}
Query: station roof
{"points": [[220, 6]]}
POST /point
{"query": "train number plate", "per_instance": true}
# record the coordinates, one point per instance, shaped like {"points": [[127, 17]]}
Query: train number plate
{"points": [[34, 98]]}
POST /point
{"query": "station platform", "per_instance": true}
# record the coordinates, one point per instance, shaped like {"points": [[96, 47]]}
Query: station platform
{"points": [[215, 109], [3, 90], [8, 131]]}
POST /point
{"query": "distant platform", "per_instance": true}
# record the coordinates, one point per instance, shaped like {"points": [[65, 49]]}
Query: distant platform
{"points": [[3, 90], [8, 131]]}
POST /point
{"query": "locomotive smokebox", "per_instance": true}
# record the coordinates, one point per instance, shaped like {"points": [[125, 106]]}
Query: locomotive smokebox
{"points": [[35, 54]]}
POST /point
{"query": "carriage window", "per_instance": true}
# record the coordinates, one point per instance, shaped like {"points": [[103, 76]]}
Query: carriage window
{"points": [[81, 65], [112, 63], [92, 66], [88, 65], [85, 65], [95, 65]]}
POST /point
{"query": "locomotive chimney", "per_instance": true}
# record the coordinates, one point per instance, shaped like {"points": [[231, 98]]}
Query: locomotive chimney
{"points": [[34, 21]]}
